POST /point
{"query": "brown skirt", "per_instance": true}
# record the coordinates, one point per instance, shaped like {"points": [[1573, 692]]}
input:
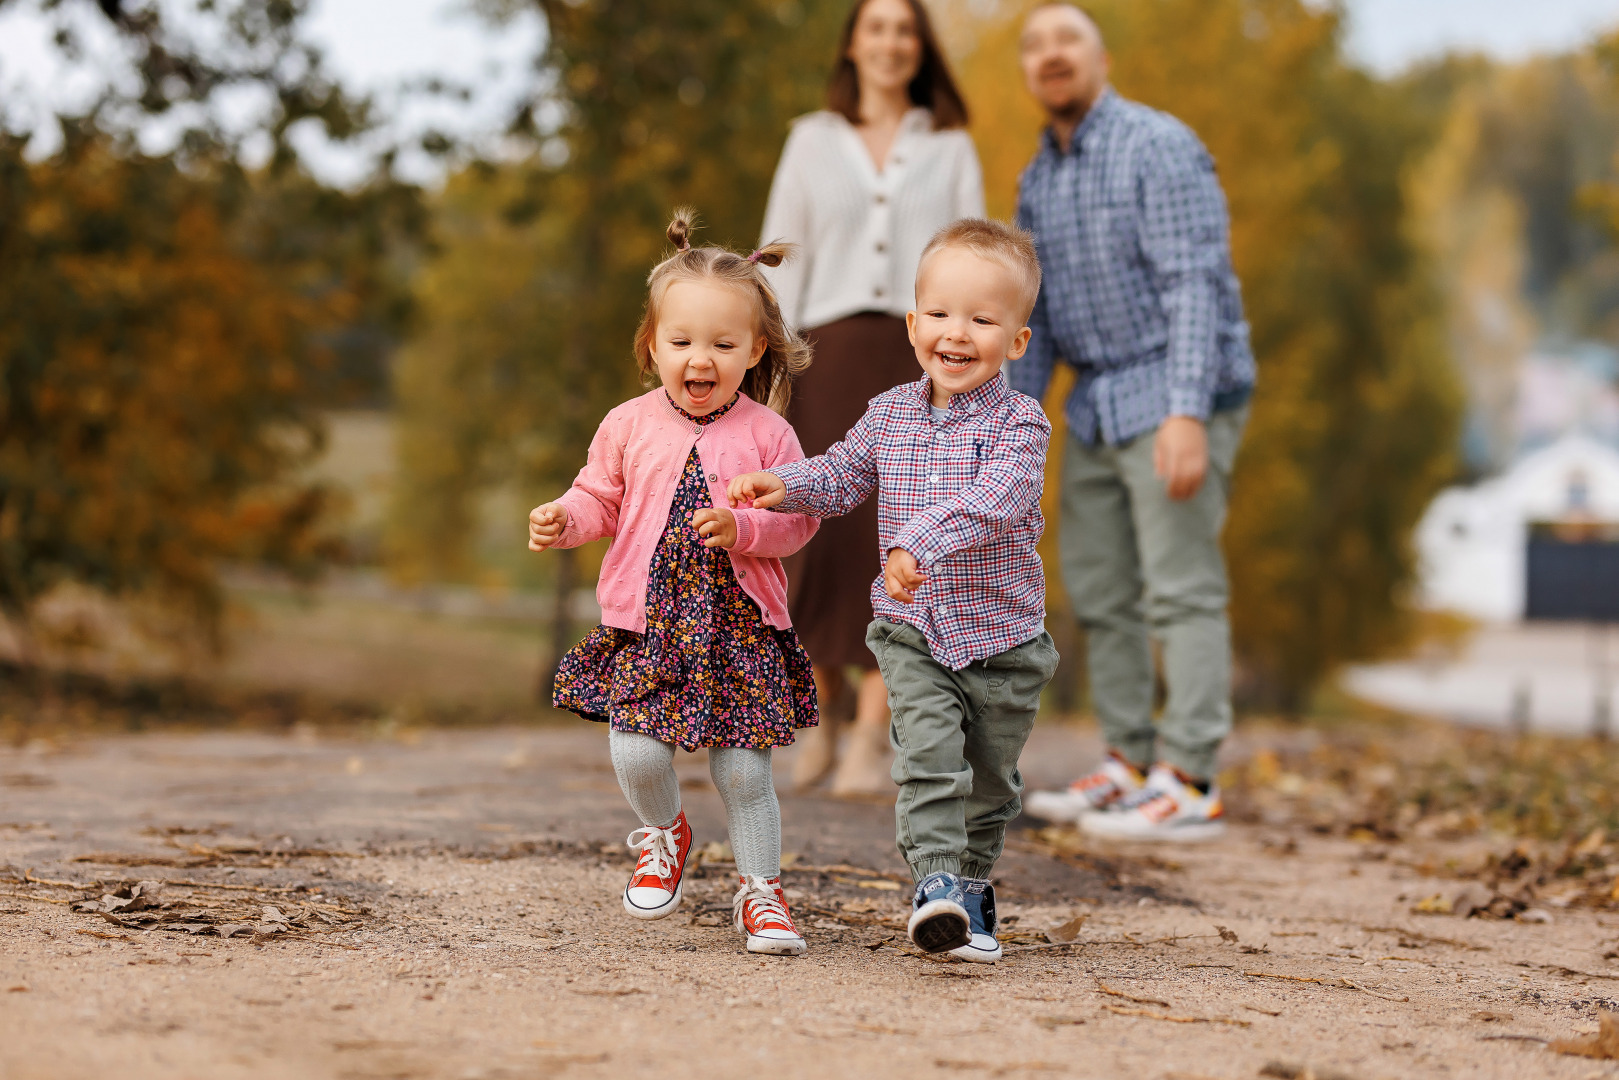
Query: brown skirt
{"points": [[829, 581]]}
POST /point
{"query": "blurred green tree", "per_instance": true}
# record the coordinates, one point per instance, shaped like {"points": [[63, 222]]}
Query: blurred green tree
{"points": [[528, 313]]}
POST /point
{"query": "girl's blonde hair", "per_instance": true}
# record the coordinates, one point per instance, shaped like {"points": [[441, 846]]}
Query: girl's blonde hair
{"points": [[786, 355]]}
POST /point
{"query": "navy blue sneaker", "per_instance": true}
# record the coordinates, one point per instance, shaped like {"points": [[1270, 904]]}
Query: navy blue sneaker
{"points": [[939, 920], [984, 948]]}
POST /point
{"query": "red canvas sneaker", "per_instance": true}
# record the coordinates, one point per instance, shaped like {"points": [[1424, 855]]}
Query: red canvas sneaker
{"points": [[654, 888], [761, 910]]}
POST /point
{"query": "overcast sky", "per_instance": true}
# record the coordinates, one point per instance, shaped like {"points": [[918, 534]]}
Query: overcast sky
{"points": [[377, 44]]}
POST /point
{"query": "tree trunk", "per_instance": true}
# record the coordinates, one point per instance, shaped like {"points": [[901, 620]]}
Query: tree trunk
{"points": [[567, 579]]}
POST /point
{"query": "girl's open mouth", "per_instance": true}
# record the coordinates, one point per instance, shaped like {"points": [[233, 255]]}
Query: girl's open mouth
{"points": [[698, 390]]}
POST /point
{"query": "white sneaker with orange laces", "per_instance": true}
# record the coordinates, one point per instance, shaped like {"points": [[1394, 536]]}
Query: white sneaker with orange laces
{"points": [[760, 909], [654, 888], [1166, 808], [1112, 781]]}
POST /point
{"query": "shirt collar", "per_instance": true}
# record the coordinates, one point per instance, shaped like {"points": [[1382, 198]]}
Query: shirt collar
{"points": [[990, 394], [1094, 119]]}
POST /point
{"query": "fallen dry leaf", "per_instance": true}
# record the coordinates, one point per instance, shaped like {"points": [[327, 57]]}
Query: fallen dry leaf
{"points": [[1148, 1014], [1051, 1023], [1104, 988], [1283, 1070], [1068, 931], [1604, 1045]]}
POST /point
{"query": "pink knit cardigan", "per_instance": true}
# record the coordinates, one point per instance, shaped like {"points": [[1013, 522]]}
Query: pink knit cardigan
{"points": [[628, 484]]}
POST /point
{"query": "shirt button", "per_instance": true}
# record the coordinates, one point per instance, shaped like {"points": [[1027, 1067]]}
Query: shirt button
{"points": [[880, 198], [933, 479], [882, 246], [878, 291], [713, 477], [740, 574]]}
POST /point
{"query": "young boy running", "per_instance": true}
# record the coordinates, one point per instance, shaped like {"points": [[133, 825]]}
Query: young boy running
{"points": [[958, 462]]}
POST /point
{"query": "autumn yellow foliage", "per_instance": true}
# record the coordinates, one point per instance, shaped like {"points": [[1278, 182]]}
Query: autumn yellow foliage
{"points": [[1357, 408]]}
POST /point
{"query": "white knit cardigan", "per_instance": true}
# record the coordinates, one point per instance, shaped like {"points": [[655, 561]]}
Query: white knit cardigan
{"points": [[861, 232]]}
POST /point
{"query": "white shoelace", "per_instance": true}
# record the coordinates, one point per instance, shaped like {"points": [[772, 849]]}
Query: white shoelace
{"points": [[659, 850], [755, 890]]}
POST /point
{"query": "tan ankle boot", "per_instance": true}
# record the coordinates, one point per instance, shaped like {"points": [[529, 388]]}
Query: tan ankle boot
{"points": [[867, 761]]}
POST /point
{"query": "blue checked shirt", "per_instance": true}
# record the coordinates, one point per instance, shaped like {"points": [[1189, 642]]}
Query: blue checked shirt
{"points": [[960, 494], [1139, 292]]}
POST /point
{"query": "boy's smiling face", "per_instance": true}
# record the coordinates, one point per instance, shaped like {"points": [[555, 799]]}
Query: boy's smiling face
{"points": [[968, 320]]}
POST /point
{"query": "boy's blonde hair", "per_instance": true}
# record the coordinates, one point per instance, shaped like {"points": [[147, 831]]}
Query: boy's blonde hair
{"points": [[786, 355], [1008, 245]]}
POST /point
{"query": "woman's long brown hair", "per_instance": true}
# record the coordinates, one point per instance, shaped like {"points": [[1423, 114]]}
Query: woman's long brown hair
{"points": [[933, 88]]}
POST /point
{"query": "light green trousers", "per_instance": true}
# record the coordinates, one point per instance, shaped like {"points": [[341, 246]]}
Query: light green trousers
{"points": [[1140, 566]]}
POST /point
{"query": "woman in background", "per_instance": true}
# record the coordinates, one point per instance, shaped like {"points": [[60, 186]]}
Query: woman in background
{"points": [[861, 187]]}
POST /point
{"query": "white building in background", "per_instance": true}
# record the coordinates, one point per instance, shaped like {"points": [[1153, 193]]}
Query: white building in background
{"points": [[1473, 542]]}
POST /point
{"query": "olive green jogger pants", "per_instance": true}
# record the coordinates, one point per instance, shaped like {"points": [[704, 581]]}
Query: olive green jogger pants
{"points": [[957, 736]]}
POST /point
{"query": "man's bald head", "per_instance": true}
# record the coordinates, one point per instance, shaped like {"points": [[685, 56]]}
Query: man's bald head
{"points": [[1065, 61]]}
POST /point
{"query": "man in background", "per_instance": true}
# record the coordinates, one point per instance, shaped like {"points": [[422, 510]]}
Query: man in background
{"points": [[1140, 298]]}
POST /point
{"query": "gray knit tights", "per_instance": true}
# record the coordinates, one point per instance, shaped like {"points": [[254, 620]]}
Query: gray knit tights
{"points": [[646, 772]]}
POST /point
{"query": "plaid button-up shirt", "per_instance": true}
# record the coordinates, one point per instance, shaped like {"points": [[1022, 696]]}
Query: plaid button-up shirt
{"points": [[1139, 293], [961, 494]]}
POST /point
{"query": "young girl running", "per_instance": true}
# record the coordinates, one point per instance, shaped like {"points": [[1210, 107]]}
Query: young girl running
{"points": [[695, 647]]}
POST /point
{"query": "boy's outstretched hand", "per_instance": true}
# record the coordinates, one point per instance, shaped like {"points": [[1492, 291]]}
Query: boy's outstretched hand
{"points": [[763, 490], [902, 577], [545, 525], [716, 525]]}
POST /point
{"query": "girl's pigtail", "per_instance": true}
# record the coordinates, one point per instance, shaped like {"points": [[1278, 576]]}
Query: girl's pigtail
{"points": [[681, 228], [774, 254]]}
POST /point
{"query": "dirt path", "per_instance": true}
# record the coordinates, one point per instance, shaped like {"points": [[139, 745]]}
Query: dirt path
{"points": [[445, 905]]}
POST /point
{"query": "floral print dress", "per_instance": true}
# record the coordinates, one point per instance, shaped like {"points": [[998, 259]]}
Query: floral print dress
{"points": [[708, 671]]}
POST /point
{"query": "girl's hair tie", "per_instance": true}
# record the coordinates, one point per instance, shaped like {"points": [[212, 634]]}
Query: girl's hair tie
{"points": [[756, 256]]}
